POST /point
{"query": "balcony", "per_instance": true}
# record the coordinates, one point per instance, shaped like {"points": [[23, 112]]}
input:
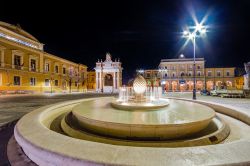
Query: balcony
{"points": [[33, 69], [18, 67]]}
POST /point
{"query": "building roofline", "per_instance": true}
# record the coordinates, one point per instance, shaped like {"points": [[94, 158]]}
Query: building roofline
{"points": [[218, 67], [182, 59], [18, 30], [62, 59]]}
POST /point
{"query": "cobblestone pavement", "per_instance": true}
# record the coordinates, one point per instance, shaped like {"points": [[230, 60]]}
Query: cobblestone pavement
{"points": [[13, 107], [236, 102]]}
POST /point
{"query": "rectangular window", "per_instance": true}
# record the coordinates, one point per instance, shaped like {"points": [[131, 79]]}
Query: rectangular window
{"points": [[71, 71], [32, 81], [209, 73], [148, 74], [17, 80], [56, 69], [76, 84], [218, 73], [46, 67], [56, 82], [17, 62], [47, 83], [228, 73], [33, 64], [64, 70]]}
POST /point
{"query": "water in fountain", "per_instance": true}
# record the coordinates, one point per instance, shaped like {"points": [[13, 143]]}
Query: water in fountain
{"points": [[140, 96]]}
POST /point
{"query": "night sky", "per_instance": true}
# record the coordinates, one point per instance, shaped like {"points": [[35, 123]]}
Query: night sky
{"points": [[140, 33]]}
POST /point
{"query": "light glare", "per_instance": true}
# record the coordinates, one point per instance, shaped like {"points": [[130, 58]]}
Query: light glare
{"points": [[185, 33], [198, 27], [191, 36]]}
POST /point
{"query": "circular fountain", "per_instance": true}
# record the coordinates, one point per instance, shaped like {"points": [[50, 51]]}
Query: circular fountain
{"points": [[141, 114], [138, 125]]}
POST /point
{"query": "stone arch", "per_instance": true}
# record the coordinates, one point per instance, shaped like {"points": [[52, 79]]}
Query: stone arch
{"points": [[108, 80]]}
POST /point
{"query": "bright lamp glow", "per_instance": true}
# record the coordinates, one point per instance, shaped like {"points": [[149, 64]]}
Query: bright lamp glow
{"points": [[198, 27], [185, 32], [203, 31], [141, 71], [191, 36]]}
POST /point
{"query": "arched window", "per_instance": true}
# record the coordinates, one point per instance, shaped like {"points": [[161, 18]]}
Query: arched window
{"points": [[108, 81]]}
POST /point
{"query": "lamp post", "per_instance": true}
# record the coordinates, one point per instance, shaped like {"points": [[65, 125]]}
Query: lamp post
{"points": [[191, 34], [102, 78], [51, 83]]}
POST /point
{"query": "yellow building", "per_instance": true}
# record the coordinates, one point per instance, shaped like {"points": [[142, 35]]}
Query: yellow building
{"points": [[220, 78], [26, 67], [91, 80], [239, 82], [177, 75]]}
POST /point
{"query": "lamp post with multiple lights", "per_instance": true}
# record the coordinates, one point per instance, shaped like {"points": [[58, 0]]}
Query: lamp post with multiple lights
{"points": [[191, 33]]}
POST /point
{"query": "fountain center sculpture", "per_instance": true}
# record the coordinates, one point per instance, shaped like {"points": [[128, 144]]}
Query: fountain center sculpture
{"points": [[139, 87], [139, 96]]}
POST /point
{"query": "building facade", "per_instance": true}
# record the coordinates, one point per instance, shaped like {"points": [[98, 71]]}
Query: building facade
{"points": [[177, 75], [108, 75], [26, 67], [91, 80], [222, 78]]}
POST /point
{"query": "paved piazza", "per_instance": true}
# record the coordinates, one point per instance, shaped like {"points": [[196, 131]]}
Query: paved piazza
{"points": [[13, 107], [235, 102]]}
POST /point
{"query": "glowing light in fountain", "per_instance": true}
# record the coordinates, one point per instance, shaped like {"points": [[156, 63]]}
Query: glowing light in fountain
{"points": [[139, 85], [140, 96]]}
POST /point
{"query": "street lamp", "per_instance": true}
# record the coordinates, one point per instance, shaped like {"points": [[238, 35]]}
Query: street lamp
{"points": [[192, 33], [51, 83]]}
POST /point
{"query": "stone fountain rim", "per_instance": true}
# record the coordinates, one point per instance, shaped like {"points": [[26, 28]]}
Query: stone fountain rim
{"points": [[30, 133], [149, 125]]}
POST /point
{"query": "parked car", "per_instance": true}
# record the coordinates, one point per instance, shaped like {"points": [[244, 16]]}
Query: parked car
{"points": [[205, 92]]}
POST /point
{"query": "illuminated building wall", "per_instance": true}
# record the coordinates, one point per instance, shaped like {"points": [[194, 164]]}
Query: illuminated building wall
{"points": [[177, 75], [25, 67], [91, 80]]}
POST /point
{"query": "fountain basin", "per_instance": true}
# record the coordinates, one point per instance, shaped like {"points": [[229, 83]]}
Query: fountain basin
{"points": [[177, 120], [131, 105], [59, 149]]}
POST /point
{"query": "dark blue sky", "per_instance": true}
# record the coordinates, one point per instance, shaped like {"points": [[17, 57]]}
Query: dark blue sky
{"points": [[139, 32]]}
